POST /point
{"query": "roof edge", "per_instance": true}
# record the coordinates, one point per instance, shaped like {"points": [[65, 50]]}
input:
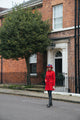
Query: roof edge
{"points": [[25, 6]]}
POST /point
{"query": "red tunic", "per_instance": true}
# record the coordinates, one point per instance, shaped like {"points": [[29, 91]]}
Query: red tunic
{"points": [[50, 80]]}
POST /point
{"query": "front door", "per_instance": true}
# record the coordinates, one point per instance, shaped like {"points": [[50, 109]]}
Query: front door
{"points": [[58, 66]]}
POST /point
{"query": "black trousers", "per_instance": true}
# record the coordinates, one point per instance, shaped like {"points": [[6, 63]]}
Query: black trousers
{"points": [[50, 97]]}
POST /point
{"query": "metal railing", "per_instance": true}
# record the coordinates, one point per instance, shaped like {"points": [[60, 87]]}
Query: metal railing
{"points": [[38, 79]]}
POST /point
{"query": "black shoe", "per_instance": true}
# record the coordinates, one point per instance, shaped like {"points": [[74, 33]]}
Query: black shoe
{"points": [[51, 104], [48, 105]]}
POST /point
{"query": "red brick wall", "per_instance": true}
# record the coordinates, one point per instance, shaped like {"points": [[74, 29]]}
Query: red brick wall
{"points": [[68, 11], [39, 63], [71, 65], [16, 71]]}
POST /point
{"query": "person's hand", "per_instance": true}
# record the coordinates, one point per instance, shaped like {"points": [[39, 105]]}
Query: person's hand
{"points": [[53, 87], [45, 80]]}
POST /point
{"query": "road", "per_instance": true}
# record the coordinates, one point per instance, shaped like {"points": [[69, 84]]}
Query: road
{"points": [[28, 108]]}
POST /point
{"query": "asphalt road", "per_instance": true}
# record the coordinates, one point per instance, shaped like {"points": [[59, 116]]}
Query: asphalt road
{"points": [[29, 108]]}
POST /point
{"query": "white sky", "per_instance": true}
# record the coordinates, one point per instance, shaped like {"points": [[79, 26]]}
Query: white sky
{"points": [[10, 3]]}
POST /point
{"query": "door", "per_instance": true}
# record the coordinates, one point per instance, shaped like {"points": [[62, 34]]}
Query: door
{"points": [[58, 66]]}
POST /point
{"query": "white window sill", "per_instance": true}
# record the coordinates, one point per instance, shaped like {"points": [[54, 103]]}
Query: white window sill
{"points": [[62, 29], [33, 74]]}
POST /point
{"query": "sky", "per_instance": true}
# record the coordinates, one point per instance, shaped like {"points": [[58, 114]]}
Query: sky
{"points": [[10, 3]]}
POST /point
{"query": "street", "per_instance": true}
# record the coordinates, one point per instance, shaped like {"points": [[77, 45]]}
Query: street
{"points": [[29, 108]]}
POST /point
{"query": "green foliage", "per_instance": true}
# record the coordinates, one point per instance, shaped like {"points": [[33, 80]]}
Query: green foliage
{"points": [[43, 77], [59, 79], [23, 33], [19, 87]]}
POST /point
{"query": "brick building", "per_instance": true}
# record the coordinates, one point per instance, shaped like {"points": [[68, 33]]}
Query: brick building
{"points": [[61, 53]]}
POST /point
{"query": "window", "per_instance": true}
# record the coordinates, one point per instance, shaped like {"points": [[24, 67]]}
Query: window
{"points": [[58, 62], [58, 54], [58, 16], [33, 61], [33, 68]]}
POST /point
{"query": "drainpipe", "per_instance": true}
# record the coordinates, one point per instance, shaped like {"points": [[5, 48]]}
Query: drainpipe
{"points": [[75, 51], [78, 48]]}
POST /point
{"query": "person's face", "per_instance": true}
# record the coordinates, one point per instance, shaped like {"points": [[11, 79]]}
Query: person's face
{"points": [[49, 68]]}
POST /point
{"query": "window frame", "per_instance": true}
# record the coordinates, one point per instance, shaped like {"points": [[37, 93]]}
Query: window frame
{"points": [[31, 70], [33, 62], [53, 23]]}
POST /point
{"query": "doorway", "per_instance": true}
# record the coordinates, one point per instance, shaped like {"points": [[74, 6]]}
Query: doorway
{"points": [[58, 62], [58, 68]]}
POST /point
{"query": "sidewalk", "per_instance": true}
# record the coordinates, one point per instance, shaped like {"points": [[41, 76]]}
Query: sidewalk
{"points": [[68, 97]]}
